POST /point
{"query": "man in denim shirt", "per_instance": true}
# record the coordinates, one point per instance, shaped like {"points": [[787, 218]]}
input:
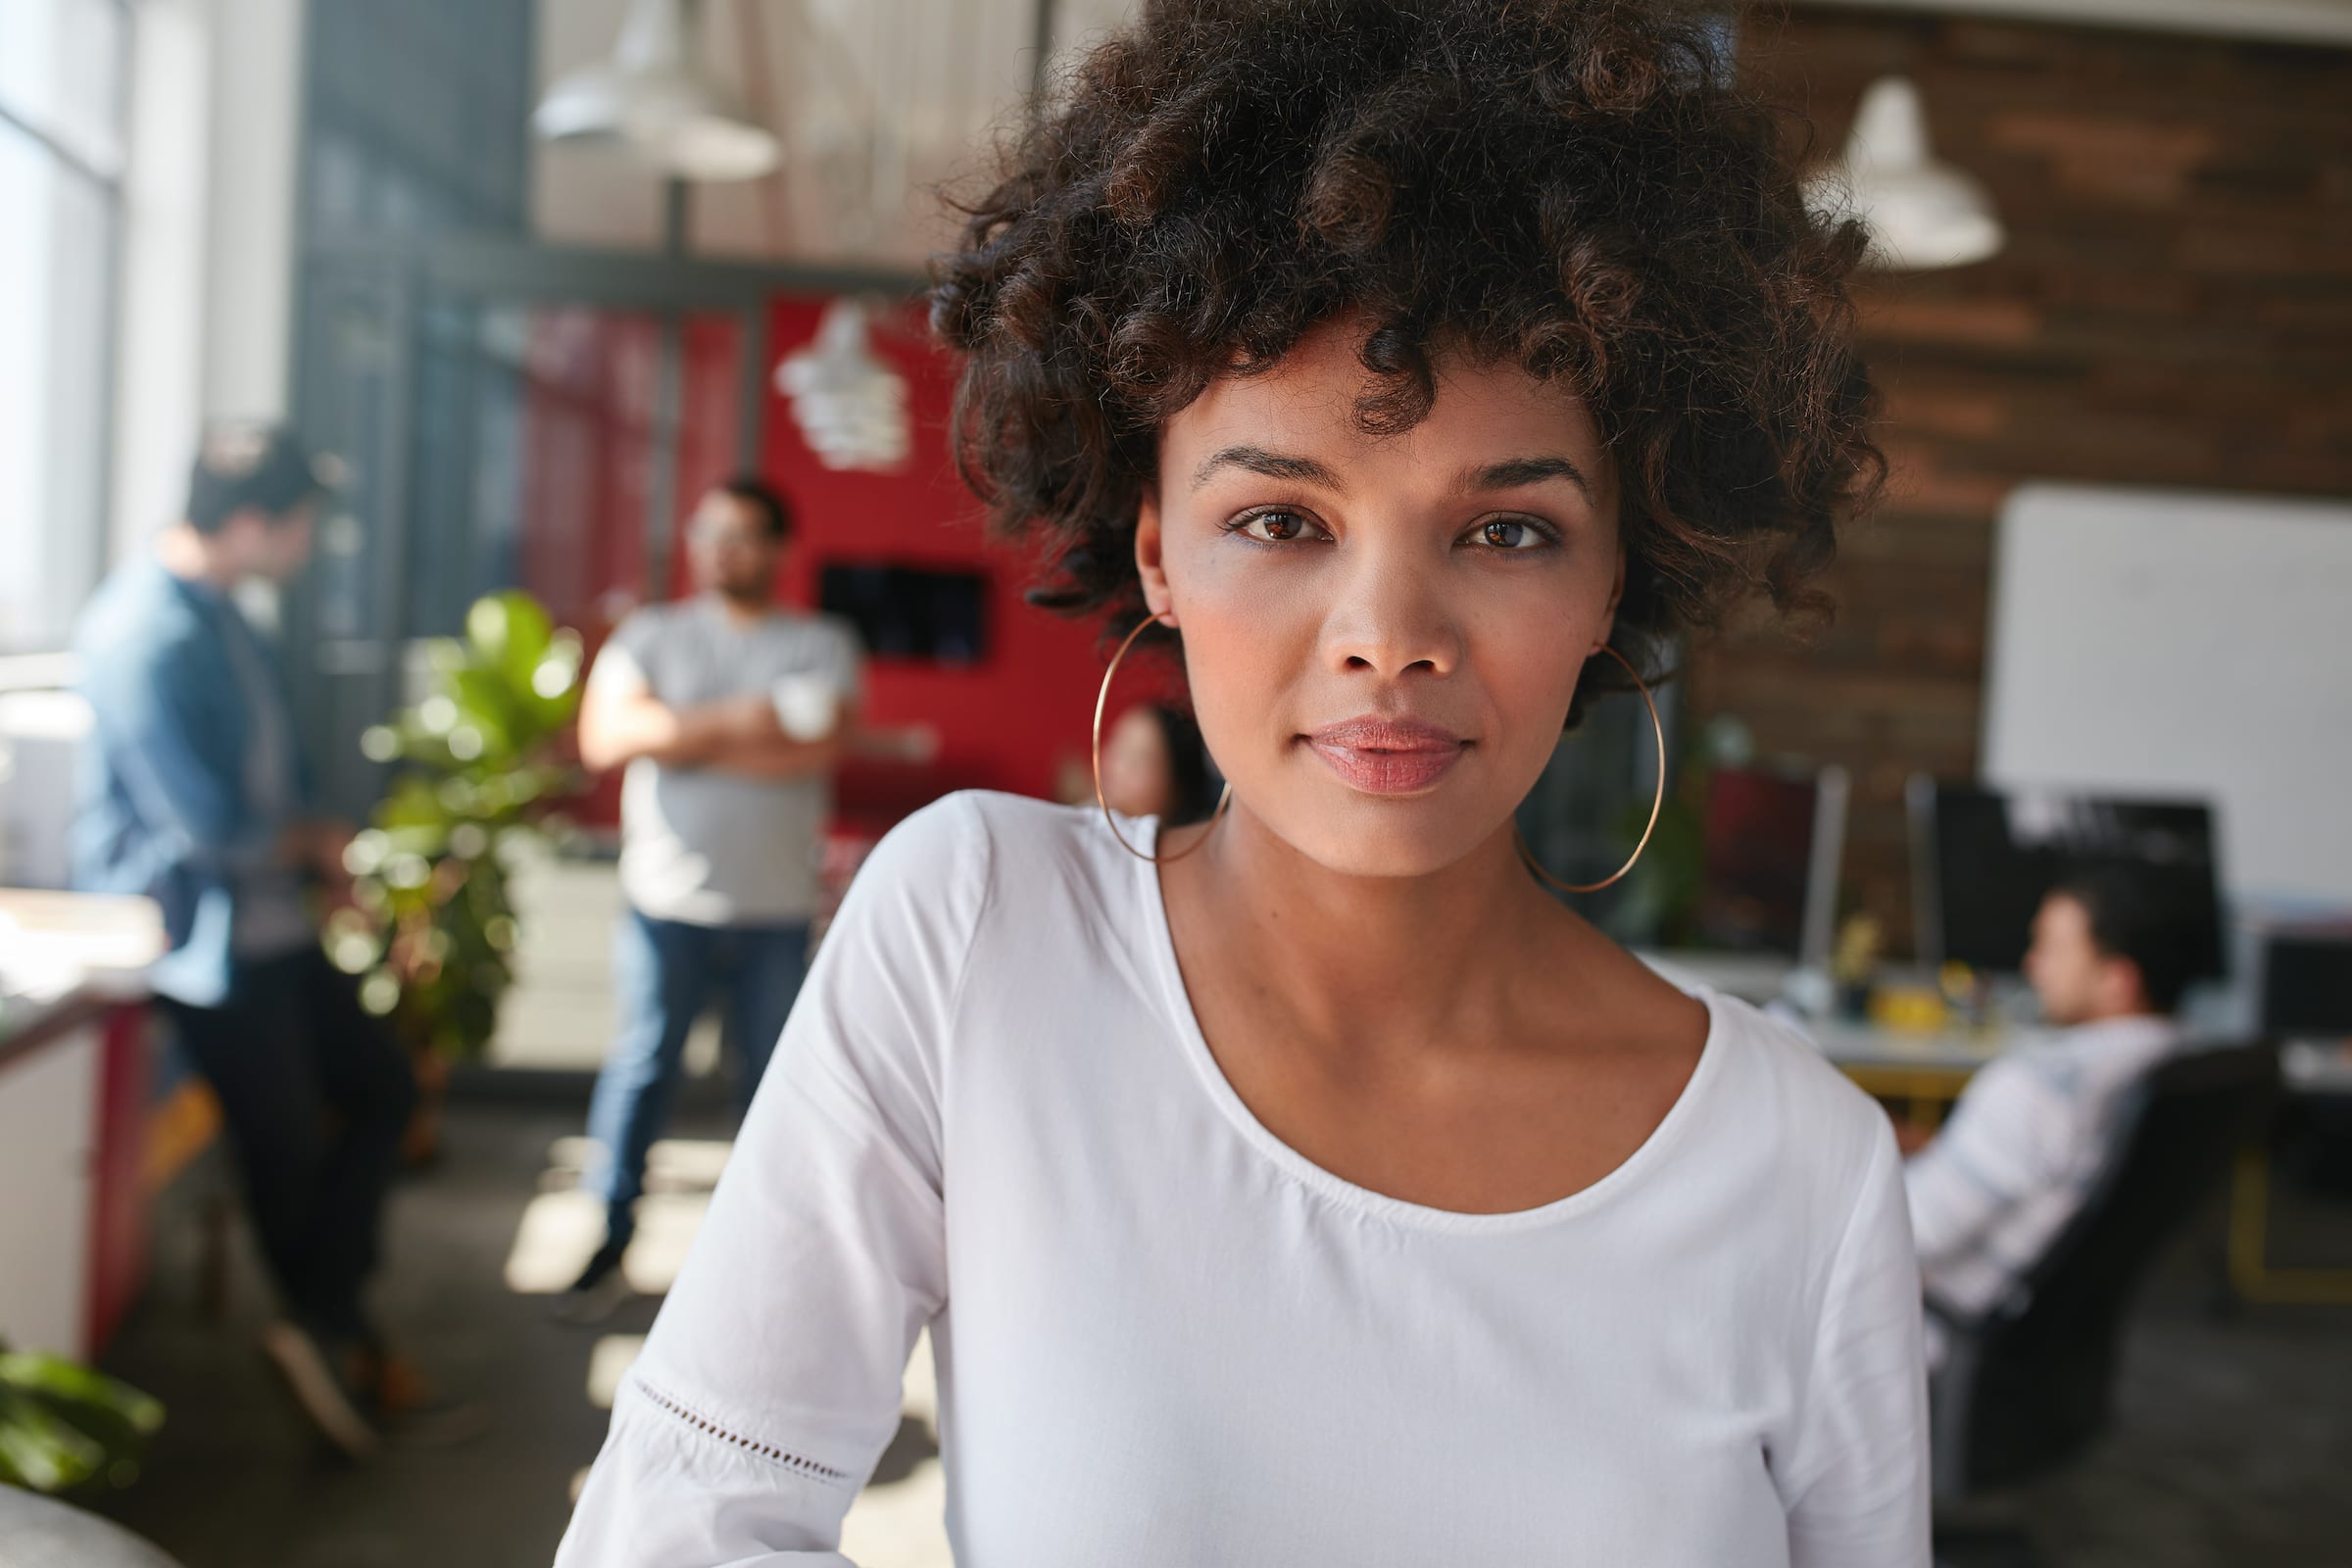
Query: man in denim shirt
{"points": [[191, 791]]}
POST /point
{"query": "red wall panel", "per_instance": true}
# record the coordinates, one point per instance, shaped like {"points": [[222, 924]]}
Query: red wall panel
{"points": [[1006, 722]]}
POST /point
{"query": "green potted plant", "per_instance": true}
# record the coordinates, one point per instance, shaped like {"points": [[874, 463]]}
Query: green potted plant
{"points": [[431, 929], [64, 1426]]}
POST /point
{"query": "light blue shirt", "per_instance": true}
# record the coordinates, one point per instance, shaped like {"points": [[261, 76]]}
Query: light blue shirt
{"points": [[2021, 1151]]}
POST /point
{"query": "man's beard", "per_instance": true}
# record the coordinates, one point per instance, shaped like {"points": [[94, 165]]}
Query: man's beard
{"points": [[743, 596]]}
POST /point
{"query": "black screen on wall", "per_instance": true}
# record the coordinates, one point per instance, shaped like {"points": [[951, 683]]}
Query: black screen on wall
{"points": [[910, 611]]}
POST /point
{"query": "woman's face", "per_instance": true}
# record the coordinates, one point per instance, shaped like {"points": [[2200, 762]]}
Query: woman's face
{"points": [[1382, 633]]}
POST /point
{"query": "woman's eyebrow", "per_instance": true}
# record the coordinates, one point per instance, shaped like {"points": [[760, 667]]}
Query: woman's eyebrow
{"points": [[1273, 464], [1514, 473]]}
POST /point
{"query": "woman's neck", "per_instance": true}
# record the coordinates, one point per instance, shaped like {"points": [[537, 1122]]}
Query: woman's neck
{"points": [[1356, 958]]}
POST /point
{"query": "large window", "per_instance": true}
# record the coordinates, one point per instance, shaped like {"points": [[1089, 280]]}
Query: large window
{"points": [[61, 108]]}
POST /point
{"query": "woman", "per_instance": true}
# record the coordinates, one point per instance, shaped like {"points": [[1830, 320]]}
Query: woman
{"points": [[1153, 765], [1319, 1189]]}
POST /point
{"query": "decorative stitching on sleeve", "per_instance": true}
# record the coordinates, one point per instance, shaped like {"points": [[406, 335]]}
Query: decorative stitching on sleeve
{"points": [[765, 1450]]}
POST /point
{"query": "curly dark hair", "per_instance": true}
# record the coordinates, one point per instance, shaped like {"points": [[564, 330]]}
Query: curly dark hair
{"points": [[1573, 186]]}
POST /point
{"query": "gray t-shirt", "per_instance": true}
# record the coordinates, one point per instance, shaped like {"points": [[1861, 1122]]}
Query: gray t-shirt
{"points": [[710, 847]]}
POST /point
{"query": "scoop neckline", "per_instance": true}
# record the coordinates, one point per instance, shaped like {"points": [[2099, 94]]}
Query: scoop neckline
{"points": [[1194, 1042]]}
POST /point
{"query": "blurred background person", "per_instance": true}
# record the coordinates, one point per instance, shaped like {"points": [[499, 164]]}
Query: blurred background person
{"points": [[729, 714], [192, 792], [1154, 765], [1989, 1192]]}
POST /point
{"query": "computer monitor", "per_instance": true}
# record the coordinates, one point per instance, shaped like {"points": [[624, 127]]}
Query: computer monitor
{"points": [[1772, 846], [910, 611], [2307, 982], [1983, 859]]}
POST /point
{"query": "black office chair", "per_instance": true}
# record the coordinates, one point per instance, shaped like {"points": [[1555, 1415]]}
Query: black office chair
{"points": [[2027, 1385]]}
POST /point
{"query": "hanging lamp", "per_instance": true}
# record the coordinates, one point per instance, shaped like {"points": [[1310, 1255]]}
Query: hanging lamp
{"points": [[654, 102], [1920, 213]]}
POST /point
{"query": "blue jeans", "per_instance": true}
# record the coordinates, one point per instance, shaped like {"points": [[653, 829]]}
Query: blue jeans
{"points": [[664, 973]]}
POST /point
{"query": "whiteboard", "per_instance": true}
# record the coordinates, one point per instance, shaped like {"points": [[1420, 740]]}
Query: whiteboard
{"points": [[2163, 643]]}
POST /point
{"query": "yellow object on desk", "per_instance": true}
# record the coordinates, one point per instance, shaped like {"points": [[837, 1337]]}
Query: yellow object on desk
{"points": [[1913, 1009]]}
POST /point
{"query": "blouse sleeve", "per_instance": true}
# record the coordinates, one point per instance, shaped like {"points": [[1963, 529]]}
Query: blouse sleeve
{"points": [[1856, 1476], [770, 1384]]}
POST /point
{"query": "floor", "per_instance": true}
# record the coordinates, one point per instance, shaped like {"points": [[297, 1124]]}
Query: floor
{"points": [[2232, 1445], [476, 1245]]}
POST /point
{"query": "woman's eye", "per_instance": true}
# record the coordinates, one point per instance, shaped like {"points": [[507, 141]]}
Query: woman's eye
{"points": [[1274, 527], [1510, 533]]}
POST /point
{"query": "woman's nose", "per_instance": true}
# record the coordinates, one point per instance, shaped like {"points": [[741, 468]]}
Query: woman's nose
{"points": [[1390, 617]]}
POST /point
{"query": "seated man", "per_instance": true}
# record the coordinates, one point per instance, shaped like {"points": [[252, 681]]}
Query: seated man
{"points": [[1994, 1187]]}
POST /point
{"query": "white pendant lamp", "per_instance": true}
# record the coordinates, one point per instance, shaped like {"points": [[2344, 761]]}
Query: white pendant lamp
{"points": [[1921, 213], [651, 101], [851, 406]]}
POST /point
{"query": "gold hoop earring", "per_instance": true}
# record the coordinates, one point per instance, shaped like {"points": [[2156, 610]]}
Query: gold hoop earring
{"points": [[1656, 804], [1102, 702]]}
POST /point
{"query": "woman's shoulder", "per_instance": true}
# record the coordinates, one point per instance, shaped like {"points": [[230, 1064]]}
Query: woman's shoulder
{"points": [[992, 824], [982, 883], [1784, 1092], [1010, 850]]}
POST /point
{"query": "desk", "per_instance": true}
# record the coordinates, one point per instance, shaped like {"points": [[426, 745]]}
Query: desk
{"points": [[2305, 1067], [2316, 1067], [1909, 1065], [1753, 977]]}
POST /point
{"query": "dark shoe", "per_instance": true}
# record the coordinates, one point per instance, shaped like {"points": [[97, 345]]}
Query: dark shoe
{"points": [[600, 1289], [323, 1395], [412, 1413]]}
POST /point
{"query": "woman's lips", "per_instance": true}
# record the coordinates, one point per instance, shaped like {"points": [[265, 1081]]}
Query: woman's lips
{"points": [[1387, 756]]}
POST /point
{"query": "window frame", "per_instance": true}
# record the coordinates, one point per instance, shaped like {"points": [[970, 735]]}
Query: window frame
{"points": [[71, 163]]}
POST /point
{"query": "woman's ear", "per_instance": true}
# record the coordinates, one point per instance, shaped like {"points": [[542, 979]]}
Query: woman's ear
{"points": [[1149, 564]]}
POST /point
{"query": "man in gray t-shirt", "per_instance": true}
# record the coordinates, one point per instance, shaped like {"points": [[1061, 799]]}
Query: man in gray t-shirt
{"points": [[728, 714]]}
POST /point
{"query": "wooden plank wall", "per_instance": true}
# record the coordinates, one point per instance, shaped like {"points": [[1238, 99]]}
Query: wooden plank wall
{"points": [[2174, 307]]}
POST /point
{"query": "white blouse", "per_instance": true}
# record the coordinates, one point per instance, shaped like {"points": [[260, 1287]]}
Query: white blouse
{"points": [[1164, 1337]]}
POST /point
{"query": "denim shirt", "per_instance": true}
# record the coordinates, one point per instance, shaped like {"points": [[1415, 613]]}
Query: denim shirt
{"points": [[166, 804]]}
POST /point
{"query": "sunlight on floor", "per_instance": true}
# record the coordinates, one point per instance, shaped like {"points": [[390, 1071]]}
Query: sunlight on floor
{"points": [[899, 1526], [562, 1225], [672, 1165], [559, 1231], [609, 1361]]}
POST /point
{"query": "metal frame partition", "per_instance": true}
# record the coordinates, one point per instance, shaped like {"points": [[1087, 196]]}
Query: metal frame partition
{"points": [[362, 382]]}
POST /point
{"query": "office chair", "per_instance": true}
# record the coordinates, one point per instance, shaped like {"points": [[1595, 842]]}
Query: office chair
{"points": [[2027, 1386]]}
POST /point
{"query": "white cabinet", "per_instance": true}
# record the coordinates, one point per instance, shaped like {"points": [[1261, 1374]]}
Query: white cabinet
{"points": [[48, 1165]]}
